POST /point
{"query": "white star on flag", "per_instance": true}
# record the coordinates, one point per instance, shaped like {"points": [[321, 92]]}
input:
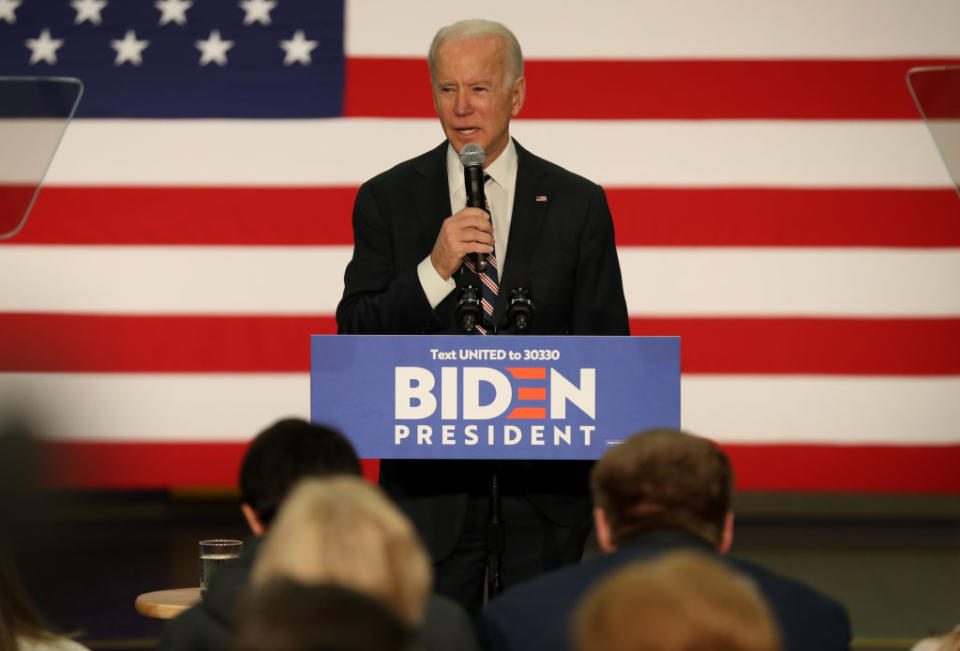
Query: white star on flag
{"points": [[173, 11], [214, 49], [298, 49], [257, 11], [44, 48], [129, 49], [8, 9], [88, 10]]}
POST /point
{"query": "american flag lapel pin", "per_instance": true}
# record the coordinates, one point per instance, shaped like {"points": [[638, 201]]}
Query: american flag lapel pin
{"points": [[541, 198]]}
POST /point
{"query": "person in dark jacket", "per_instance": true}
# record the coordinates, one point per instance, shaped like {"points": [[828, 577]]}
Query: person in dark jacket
{"points": [[276, 459], [657, 492], [285, 615]]}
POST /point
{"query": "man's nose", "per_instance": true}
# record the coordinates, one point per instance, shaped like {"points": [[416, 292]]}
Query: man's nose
{"points": [[463, 106]]}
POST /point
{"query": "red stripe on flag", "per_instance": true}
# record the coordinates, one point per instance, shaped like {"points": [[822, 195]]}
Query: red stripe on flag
{"points": [[812, 345], [847, 468], [265, 344], [785, 217], [190, 215], [808, 468], [75, 464], [158, 344], [937, 91], [642, 216], [14, 201], [873, 89]]}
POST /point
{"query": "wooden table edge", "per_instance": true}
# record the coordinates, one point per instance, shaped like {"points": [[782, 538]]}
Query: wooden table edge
{"points": [[166, 604]]}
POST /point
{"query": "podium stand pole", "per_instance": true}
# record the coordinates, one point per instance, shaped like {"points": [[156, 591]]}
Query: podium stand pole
{"points": [[495, 539]]}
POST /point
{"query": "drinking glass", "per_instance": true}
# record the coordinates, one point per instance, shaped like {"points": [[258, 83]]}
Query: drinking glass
{"points": [[214, 553]]}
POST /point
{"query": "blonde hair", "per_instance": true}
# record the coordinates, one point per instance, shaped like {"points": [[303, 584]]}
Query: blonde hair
{"points": [[681, 601], [345, 531], [949, 641]]}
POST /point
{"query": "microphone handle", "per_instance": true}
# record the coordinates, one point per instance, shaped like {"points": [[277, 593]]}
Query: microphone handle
{"points": [[473, 178]]}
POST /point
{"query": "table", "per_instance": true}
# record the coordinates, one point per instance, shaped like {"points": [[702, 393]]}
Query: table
{"points": [[166, 604]]}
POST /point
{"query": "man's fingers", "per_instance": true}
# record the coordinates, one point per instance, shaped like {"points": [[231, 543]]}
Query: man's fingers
{"points": [[472, 217], [468, 231]]}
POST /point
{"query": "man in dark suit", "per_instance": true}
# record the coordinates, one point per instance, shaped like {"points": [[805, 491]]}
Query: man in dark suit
{"points": [[552, 232], [657, 492]]}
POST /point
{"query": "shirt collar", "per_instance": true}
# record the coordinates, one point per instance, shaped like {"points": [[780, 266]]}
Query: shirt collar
{"points": [[503, 170]]}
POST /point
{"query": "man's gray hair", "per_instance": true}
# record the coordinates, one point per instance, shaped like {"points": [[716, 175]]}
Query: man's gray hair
{"points": [[474, 28]]}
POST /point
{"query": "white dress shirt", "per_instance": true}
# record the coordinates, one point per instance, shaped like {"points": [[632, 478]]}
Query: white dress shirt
{"points": [[499, 191]]}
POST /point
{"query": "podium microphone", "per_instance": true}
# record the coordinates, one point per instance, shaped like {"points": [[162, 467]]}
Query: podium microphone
{"points": [[520, 309], [468, 312], [468, 308], [472, 156]]}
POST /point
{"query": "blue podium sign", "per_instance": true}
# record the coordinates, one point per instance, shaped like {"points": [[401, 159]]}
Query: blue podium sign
{"points": [[502, 397]]}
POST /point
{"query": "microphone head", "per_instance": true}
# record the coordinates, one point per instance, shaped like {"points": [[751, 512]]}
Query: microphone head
{"points": [[472, 154]]}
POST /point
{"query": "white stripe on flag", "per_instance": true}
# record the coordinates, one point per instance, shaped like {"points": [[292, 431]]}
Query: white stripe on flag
{"points": [[789, 282], [852, 409], [222, 407], [308, 280], [690, 29], [746, 153]]}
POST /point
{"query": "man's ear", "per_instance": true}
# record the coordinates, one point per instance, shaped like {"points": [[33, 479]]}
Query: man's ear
{"points": [[519, 95], [604, 534], [253, 520], [726, 537]]}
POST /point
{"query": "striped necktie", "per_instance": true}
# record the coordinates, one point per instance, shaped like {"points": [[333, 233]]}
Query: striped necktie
{"points": [[489, 278]]}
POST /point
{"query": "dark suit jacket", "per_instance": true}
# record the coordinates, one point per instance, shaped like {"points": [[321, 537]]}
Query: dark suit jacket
{"points": [[536, 615], [561, 247], [207, 625]]}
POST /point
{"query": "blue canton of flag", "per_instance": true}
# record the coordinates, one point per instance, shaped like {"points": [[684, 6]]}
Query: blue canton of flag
{"points": [[183, 59]]}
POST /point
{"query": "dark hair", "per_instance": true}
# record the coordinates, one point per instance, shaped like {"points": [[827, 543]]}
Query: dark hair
{"points": [[23, 511], [285, 615], [285, 452], [18, 614], [664, 479]]}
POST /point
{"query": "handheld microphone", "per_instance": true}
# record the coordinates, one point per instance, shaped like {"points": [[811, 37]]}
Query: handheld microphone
{"points": [[472, 156]]}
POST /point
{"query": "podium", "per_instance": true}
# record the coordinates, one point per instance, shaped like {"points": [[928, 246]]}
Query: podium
{"points": [[498, 397]]}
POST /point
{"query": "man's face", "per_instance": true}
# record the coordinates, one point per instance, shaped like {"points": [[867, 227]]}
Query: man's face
{"points": [[474, 95]]}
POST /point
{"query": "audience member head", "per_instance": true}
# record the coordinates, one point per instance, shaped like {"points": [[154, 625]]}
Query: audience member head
{"points": [[285, 615], [283, 454], [663, 479], [343, 530], [681, 601]]}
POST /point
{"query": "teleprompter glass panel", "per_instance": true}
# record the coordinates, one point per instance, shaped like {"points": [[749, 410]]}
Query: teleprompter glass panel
{"points": [[34, 113], [936, 90]]}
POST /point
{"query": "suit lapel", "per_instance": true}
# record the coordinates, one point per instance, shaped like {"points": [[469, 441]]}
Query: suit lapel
{"points": [[526, 223], [432, 194]]}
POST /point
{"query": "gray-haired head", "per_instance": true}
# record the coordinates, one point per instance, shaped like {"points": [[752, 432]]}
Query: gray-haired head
{"points": [[478, 28]]}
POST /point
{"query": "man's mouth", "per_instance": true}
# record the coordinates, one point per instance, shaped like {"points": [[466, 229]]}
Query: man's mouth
{"points": [[468, 131]]}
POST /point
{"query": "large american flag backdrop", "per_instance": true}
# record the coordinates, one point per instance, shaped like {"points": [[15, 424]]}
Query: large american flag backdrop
{"points": [[778, 203]]}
